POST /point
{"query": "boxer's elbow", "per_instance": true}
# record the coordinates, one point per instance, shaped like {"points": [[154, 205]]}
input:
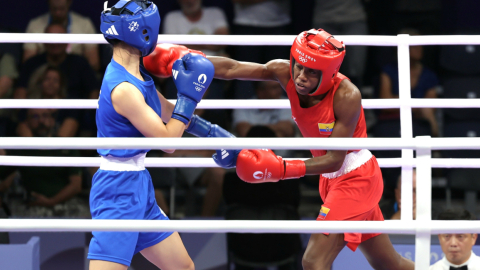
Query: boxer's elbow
{"points": [[324, 164], [337, 165], [169, 151], [336, 160]]}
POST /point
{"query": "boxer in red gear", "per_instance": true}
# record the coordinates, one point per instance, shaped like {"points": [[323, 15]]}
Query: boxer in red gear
{"points": [[324, 103]]}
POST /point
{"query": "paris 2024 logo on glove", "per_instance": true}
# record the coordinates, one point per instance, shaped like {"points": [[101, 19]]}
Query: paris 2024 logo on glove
{"points": [[201, 79], [262, 175]]}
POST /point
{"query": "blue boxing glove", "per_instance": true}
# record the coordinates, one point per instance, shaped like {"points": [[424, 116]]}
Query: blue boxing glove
{"points": [[192, 75], [202, 128]]}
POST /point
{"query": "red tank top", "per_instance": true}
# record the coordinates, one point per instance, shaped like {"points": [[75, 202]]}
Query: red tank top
{"points": [[319, 120]]}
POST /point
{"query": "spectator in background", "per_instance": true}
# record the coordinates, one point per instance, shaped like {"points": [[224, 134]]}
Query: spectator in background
{"points": [[59, 13], [52, 85], [50, 191], [393, 210], [8, 74], [5, 184], [81, 80], [260, 17], [278, 120], [345, 17], [398, 197], [457, 247], [194, 19], [424, 83]]}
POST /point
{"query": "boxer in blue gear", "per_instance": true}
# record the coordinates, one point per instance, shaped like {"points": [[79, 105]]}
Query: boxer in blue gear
{"points": [[130, 106]]}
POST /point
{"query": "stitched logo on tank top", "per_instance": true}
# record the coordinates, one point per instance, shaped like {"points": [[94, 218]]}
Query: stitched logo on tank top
{"points": [[326, 129]]}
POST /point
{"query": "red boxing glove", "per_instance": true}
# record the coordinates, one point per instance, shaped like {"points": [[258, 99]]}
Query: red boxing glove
{"points": [[262, 165], [160, 61]]}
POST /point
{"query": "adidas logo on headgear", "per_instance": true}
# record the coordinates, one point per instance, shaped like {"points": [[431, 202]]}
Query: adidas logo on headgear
{"points": [[112, 31]]}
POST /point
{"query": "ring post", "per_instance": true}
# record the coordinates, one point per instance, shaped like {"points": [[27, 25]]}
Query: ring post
{"points": [[424, 202], [405, 122]]}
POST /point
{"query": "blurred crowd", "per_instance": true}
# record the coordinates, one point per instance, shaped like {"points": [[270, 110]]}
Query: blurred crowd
{"points": [[74, 71]]}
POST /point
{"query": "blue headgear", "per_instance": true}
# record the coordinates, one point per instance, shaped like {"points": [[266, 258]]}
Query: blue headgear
{"points": [[136, 23]]}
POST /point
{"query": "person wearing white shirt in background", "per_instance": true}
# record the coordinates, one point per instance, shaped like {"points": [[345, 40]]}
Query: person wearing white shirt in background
{"points": [[60, 13], [457, 247], [194, 19]]}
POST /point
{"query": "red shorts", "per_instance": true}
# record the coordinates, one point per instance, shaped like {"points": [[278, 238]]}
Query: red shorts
{"points": [[353, 196]]}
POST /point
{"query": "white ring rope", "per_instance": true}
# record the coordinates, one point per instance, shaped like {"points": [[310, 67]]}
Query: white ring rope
{"points": [[244, 103], [285, 40], [208, 162], [240, 143], [241, 226]]}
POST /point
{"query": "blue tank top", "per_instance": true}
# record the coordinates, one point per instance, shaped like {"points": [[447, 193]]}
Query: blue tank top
{"points": [[112, 124]]}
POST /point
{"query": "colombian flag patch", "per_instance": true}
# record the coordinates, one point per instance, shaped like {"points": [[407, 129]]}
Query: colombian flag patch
{"points": [[326, 128], [323, 212]]}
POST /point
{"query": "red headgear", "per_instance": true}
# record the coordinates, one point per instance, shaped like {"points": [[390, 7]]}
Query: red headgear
{"points": [[317, 49]]}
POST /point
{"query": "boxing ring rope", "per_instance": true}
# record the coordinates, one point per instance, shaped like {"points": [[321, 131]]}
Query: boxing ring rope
{"points": [[285, 40], [423, 227], [417, 143], [241, 226], [209, 163], [244, 103]]}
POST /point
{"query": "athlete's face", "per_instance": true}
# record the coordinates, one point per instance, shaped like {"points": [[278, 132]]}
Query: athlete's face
{"points": [[55, 49], [59, 10], [51, 83], [457, 247], [305, 79], [40, 122], [190, 6]]}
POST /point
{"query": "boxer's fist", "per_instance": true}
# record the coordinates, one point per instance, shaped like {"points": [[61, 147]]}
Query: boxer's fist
{"points": [[260, 166], [160, 61], [192, 75]]}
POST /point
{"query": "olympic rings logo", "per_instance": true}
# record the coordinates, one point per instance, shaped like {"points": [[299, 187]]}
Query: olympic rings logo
{"points": [[302, 59], [198, 88]]}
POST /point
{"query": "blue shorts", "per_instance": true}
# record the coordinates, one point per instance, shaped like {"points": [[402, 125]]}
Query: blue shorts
{"points": [[123, 195]]}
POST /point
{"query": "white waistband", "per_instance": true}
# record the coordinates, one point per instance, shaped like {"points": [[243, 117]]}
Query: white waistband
{"points": [[352, 161], [135, 163]]}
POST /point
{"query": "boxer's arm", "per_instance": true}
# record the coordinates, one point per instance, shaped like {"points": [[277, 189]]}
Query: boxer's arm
{"points": [[347, 107], [230, 69], [130, 103], [167, 107]]}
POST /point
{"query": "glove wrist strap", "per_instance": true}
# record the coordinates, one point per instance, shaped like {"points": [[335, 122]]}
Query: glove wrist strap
{"points": [[184, 109], [294, 169], [199, 127]]}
